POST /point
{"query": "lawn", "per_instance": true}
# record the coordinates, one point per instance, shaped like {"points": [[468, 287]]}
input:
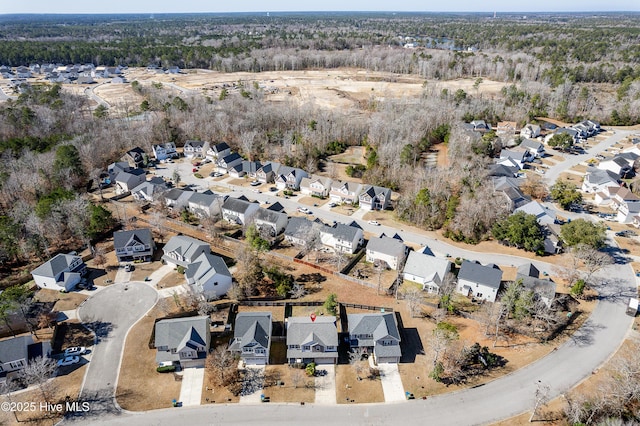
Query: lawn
{"points": [[288, 384], [140, 387], [63, 301], [351, 390]]}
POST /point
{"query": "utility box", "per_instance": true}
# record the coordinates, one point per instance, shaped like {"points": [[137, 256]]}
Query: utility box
{"points": [[632, 307]]}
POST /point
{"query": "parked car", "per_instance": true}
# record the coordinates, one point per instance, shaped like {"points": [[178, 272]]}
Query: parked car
{"points": [[373, 222], [255, 183], [332, 204], [128, 267], [68, 360], [273, 189], [75, 350], [304, 210], [195, 169]]}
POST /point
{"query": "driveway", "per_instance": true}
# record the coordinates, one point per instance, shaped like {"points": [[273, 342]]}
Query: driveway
{"points": [[391, 383], [191, 389], [326, 386], [110, 313]]}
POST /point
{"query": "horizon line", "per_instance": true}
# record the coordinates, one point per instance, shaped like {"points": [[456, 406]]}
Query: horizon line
{"points": [[582, 12]]}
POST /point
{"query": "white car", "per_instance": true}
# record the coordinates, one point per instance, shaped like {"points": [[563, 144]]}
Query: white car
{"points": [[255, 183], [75, 350], [332, 205], [373, 222], [304, 210], [68, 360]]}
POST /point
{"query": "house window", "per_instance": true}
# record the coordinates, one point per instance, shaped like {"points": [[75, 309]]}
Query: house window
{"points": [[16, 364], [387, 343], [306, 348], [260, 351], [479, 295]]}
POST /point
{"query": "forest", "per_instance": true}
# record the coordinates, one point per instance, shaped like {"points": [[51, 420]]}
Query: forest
{"points": [[53, 146]]}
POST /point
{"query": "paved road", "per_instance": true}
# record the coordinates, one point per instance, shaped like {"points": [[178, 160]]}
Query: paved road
{"points": [[553, 172], [111, 313], [90, 92]]}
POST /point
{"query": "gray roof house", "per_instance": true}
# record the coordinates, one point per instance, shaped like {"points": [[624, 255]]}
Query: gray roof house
{"points": [[224, 164], [203, 204], [428, 271], [479, 281], [136, 244], [267, 173], [182, 250], [238, 211], [345, 192], [341, 237], [165, 150], [177, 198], [270, 221], [391, 251], [149, 190], [530, 131], [218, 150], [299, 229], [315, 186], [505, 170], [136, 158], [312, 339], [375, 334], [62, 272], [252, 337], [245, 168], [545, 289], [208, 275], [289, 177], [183, 341], [16, 352], [194, 149], [114, 168], [533, 146], [596, 180], [127, 180], [544, 216], [375, 198]]}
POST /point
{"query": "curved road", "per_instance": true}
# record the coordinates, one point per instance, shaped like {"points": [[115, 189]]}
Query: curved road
{"points": [[110, 313]]}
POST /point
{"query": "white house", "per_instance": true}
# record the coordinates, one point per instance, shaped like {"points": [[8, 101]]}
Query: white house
{"points": [[224, 164], [252, 337], [239, 211], [376, 334], [274, 223], [16, 352], [194, 149], [182, 250], [341, 237], [217, 151], [165, 150], [62, 273], [388, 251], [316, 186], [183, 341], [289, 177], [533, 146], [481, 282], [530, 131], [344, 192], [375, 198], [597, 180], [136, 244], [626, 203], [544, 216], [617, 165], [125, 181], [428, 271]]}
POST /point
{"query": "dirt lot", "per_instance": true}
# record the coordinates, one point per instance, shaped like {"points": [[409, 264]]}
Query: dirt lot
{"points": [[140, 387], [288, 384], [350, 389]]}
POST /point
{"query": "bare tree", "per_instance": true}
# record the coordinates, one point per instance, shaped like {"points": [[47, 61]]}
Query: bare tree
{"points": [[414, 297], [223, 366], [540, 399], [298, 377], [6, 388], [593, 260], [38, 372], [298, 290]]}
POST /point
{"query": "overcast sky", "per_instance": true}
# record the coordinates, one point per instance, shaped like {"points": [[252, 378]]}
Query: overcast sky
{"points": [[182, 6]]}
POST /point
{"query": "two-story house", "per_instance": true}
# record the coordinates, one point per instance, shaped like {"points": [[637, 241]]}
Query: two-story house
{"points": [[134, 245], [205, 204], [239, 211], [389, 252], [149, 190], [341, 237], [427, 270], [194, 149], [136, 158], [479, 281], [183, 341], [183, 250], [62, 273], [289, 178], [245, 168], [375, 198], [267, 173], [625, 203], [533, 146], [376, 335], [217, 151], [125, 181], [271, 222], [16, 352], [164, 151], [224, 164], [312, 339], [344, 192], [597, 180], [315, 186], [252, 337]]}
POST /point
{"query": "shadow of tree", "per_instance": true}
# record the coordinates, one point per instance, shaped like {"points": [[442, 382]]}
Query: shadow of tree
{"points": [[102, 329], [92, 405], [584, 335]]}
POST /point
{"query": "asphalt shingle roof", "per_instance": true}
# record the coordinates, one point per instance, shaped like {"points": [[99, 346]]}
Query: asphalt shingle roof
{"points": [[477, 273]]}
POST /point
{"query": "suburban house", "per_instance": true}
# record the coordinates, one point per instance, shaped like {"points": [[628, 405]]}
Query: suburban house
{"points": [[194, 149], [134, 245], [503, 170], [219, 150], [510, 188], [341, 237], [245, 168], [136, 158], [597, 180], [204, 204], [239, 211], [252, 337], [390, 252], [479, 281], [224, 164], [182, 250], [626, 203], [426, 270], [552, 241], [177, 198], [544, 216], [149, 190], [316, 186], [300, 230], [377, 335], [183, 341], [477, 126], [533, 146], [618, 165], [206, 273], [344, 192], [272, 222], [374, 198], [312, 339], [165, 150], [114, 168], [520, 156], [544, 289], [16, 352], [562, 130], [126, 181], [507, 128], [267, 173], [289, 177], [63, 272]]}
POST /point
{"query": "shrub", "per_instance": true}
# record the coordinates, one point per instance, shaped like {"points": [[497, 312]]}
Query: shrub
{"points": [[180, 269], [166, 369], [197, 175], [311, 369]]}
